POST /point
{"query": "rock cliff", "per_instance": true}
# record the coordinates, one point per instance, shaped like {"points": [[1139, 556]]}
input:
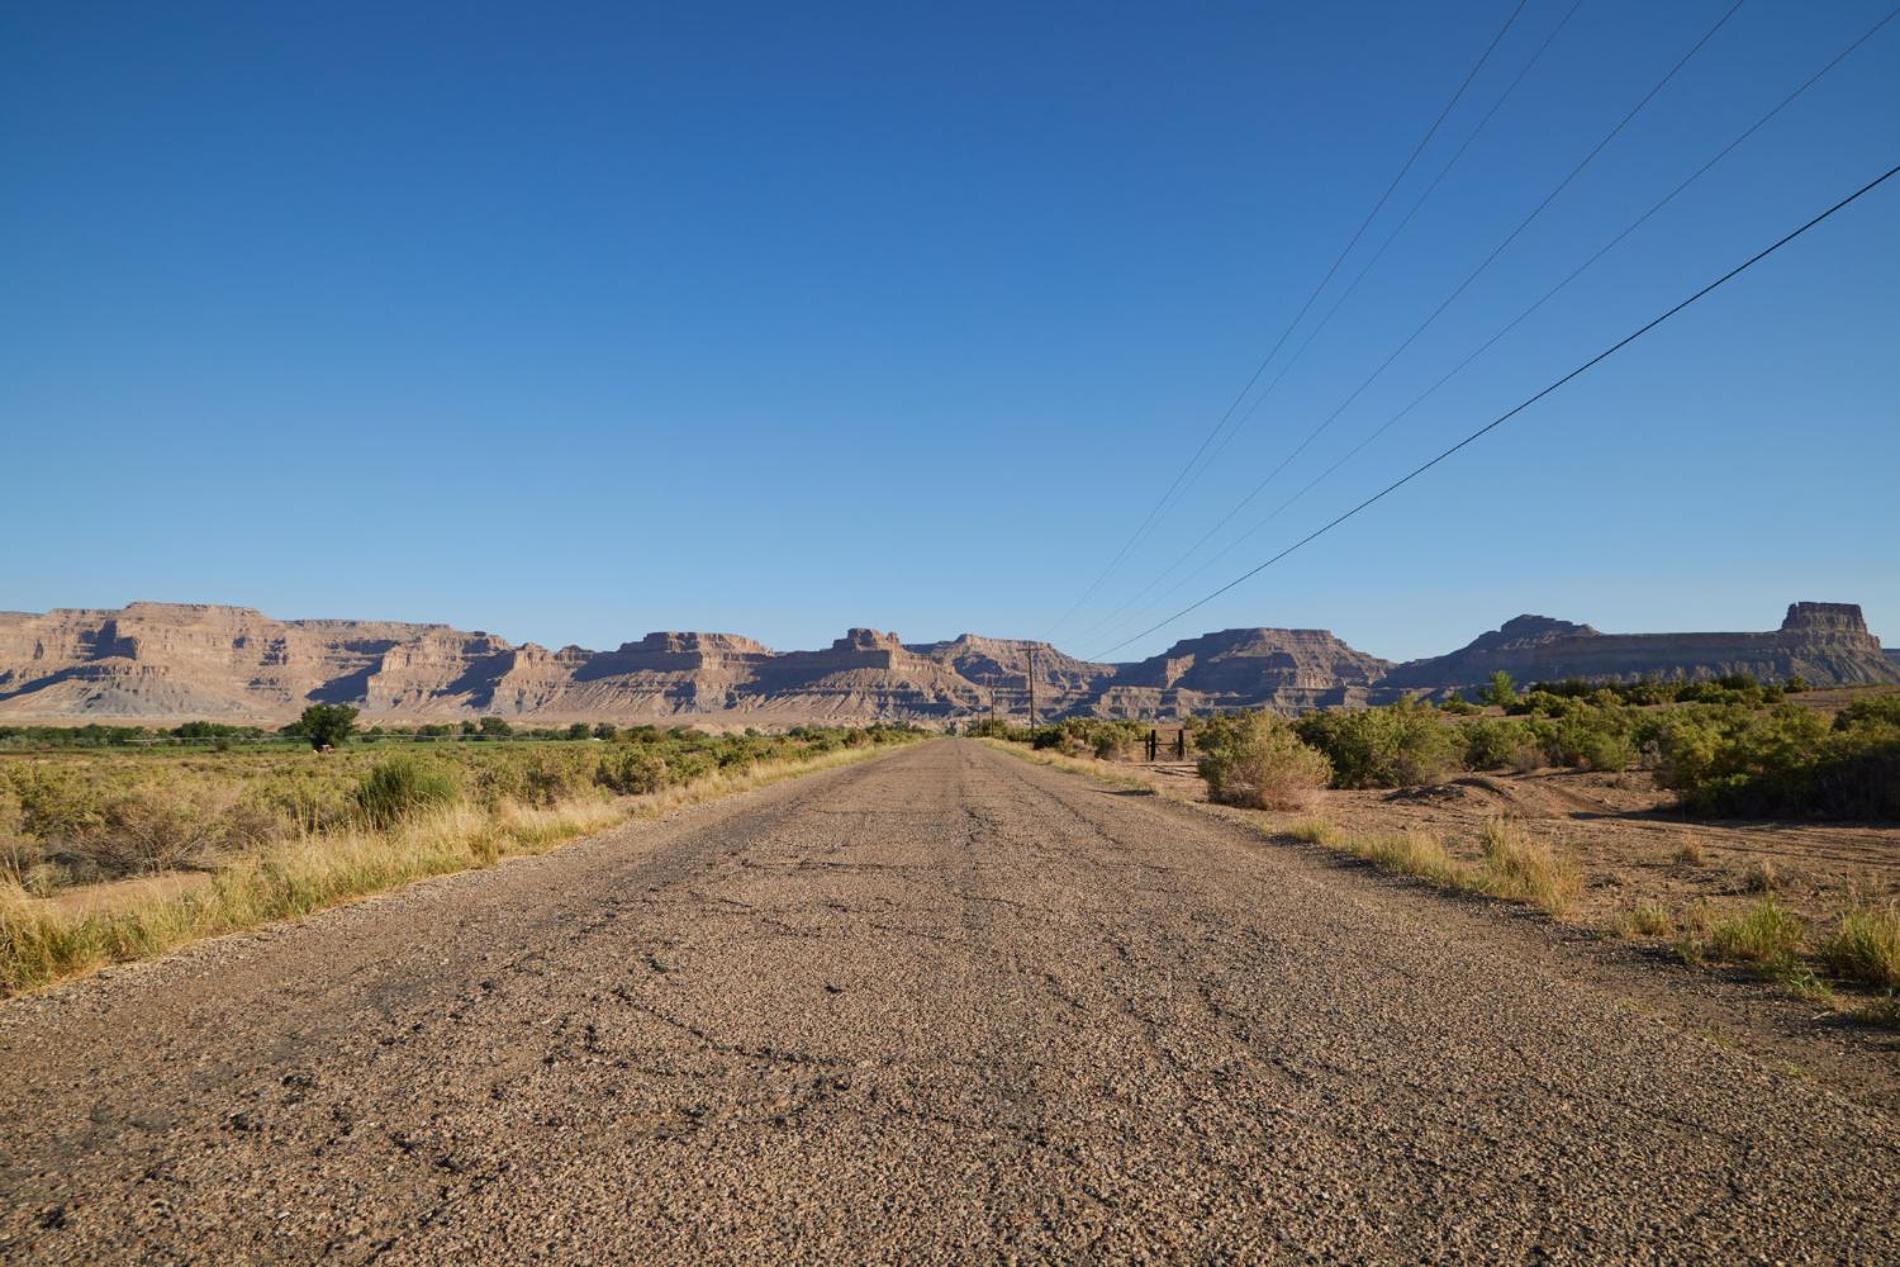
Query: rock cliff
{"points": [[168, 662], [1826, 643]]}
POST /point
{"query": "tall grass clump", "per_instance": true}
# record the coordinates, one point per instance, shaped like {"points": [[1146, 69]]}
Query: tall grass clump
{"points": [[1256, 761], [402, 787], [1414, 853], [1765, 933], [1865, 945], [1519, 868], [1315, 831]]}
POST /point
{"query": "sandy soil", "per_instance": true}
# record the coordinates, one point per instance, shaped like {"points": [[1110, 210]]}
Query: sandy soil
{"points": [[1620, 827]]}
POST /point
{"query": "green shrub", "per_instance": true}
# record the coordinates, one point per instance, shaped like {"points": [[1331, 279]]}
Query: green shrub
{"points": [[1498, 690], [326, 725], [1781, 761], [1865, 714], [1400, 745], [1499, 743], [632, 770], [1594, 737], [1255, 760], [401, 787]]}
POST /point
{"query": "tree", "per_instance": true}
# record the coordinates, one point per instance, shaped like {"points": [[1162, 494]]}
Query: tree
{"points": [[497, 727], [606, 730], [1499, 690], [578, 730], [327, 725]]}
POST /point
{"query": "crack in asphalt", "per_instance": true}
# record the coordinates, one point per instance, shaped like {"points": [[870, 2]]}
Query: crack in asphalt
{"points": [[939, 1006]]}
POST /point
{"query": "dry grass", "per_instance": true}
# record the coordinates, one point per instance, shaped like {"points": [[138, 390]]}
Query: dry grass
{"points": [[1101, 771], [1761, 877], [1647, 919], [42, 942], [1765, 933], [1519, 868], [1413, 853], [1315, 831], [1865, 945], [1690, 853]]}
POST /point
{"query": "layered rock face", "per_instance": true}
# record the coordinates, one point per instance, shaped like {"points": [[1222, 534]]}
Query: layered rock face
{"points": [[1004, 665], [1826, 643], [169, 662], [1291, 670], [165, 661]]}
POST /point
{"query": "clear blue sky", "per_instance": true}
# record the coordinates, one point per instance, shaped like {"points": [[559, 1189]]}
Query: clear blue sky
{"points": [[574, 321]]}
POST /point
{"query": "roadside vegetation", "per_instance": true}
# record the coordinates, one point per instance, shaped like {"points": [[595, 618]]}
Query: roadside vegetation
{"points": [[116, 853], [1730, 748], [319, 725], [1733, 748]]}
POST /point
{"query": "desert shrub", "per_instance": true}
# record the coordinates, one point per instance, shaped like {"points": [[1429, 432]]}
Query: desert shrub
{"points": [[1593, 737], [1400, 745], [1256, 760], [1522, 869], [550, 776], [1497, 743], [1498, 690], [1865, 945], [1877, 711], [1780, 761], [632, 770], [402, 787], [1100, 737], [147, 830]]}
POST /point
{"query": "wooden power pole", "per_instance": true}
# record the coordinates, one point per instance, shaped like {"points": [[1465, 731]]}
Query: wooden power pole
{"points": [[1032, 688]]}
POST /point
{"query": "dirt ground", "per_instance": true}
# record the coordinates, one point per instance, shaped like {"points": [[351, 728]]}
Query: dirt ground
{"points": [[1621, 828]]}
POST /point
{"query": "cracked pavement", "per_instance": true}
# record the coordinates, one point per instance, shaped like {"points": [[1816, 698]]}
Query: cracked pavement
{"points": [[941, 1006]]}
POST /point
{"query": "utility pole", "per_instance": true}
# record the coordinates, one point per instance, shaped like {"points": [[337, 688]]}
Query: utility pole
{"points": [[989, 680], [1032, 688]]}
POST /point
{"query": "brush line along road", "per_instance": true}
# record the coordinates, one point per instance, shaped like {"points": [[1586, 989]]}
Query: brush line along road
{"points": [[941, 1006]]}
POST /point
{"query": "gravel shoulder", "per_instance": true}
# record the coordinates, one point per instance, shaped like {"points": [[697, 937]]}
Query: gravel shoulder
{"points": [[940, 1006]]}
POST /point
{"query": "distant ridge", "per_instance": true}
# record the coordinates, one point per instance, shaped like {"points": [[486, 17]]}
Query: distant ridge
{"points": [[1826, 643], [169, 662]]}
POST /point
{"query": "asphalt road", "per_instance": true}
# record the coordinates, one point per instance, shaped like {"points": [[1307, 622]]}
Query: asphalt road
{"points": [[942, 1006]]}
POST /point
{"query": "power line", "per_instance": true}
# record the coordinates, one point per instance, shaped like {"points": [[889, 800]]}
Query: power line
{"points": [[1365, 269], [1299, 316], [1521, 317], [1326, 320], [1519, 408], [1444, 304]]}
